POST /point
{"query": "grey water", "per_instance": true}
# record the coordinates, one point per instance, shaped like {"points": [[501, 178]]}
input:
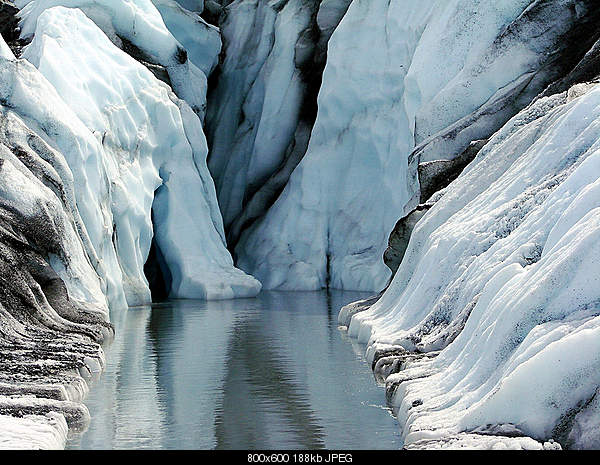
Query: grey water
{"points": [[273, 372]]}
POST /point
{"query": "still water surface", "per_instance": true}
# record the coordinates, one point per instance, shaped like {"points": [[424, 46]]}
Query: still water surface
{"points": [[270, 372]]}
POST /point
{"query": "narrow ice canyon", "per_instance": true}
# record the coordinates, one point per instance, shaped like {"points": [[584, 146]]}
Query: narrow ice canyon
{"points": [[427, 170]]}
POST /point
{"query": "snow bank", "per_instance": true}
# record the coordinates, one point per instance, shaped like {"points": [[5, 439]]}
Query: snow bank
{"points": [[481, 442], [153, 153], [507, 259], [585, 433], [437, 74]]}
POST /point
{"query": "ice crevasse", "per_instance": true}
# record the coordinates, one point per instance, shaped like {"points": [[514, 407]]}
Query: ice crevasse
{"points": [[148, 158], [501, 276], [255, 105]]}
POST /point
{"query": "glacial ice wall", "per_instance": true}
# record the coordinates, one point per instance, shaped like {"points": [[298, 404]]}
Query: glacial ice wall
{"points": [[431, 75], [255, 106], [138, 26], [263, 104], [30, 96], [501, 276], [152, 155], [53, 310]]}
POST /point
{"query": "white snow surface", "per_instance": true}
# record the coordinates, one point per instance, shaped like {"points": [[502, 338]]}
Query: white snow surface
{"points": [[480, 442], [511, 252], [397, 73]]}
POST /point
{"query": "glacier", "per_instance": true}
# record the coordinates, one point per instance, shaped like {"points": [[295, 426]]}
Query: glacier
{"points": [[256, 103], [154, 151], [423, 80], [460, 134], [54, 309], [138, 26], [263, 105]]}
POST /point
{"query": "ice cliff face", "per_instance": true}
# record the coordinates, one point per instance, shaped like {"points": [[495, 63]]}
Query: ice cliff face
{"points": [[154, 152], [263, 105], [148, 153], [405, 82], [487, 335]]}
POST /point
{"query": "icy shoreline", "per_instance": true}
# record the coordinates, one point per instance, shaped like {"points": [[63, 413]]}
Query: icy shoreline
{"points": [[494, 335]]}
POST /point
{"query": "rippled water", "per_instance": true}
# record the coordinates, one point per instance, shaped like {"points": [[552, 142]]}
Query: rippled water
{"points": [[269, 372]]}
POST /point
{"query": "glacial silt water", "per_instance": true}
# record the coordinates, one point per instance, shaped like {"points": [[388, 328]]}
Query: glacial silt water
{"points": [[269, 372]]}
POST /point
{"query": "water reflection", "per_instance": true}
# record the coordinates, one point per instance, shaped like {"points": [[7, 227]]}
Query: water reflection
{"points": [[270, 372]]}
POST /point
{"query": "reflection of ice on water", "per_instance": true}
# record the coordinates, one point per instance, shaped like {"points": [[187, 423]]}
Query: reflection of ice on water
{"points": [[270, 372]]}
